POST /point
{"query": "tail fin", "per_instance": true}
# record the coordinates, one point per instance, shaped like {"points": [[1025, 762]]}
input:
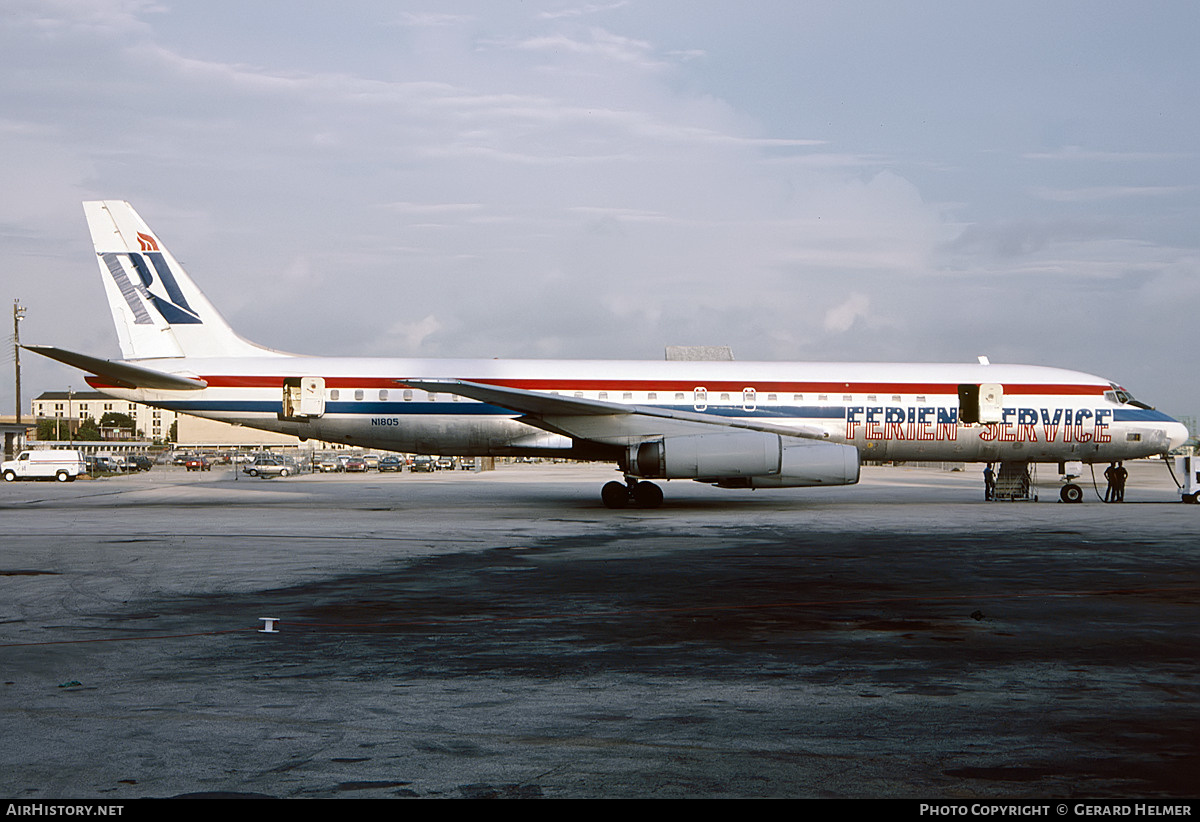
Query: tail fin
{"points": [[157, 309]]}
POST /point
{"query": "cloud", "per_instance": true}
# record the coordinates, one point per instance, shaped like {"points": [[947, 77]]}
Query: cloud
{"points": [[601, 179], [1082, 154], [431, 19], [1094, 194], [841, 318]]}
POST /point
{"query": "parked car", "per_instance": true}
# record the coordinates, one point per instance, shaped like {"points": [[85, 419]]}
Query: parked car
{"points": [[271, 465], [139, 462], [197, 462], [329, 465], [423, 464], [102, 465], [357, 464], [445, 463], [372, 460], [391, 463]]}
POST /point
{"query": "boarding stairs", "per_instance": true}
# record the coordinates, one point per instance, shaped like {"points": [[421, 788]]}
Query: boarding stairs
{"points": [[1013, 483]]}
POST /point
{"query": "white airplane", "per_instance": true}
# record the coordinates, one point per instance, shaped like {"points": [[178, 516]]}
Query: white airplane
{"points": [[730, 424]]}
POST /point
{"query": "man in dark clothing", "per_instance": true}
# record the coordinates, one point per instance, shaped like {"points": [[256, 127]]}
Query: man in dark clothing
{"points": [[1119, 477]]}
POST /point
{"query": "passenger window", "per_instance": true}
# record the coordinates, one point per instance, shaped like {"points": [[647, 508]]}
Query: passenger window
{"points": [[383, 395], [358, 394], [334, 394]]}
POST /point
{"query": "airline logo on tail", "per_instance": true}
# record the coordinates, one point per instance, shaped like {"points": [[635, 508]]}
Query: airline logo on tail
{"points": [[153, 283]]}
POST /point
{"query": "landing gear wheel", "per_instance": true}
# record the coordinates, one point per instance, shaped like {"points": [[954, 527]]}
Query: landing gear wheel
{"points": [[1071, 493], [615, 495], [647, 495]]}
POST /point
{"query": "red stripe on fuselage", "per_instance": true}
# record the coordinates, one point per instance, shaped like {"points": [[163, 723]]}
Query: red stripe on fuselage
{"points": [[617, 386]]}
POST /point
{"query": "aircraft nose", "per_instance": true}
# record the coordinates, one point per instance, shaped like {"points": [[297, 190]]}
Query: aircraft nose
{"points": [[1177, 434]]}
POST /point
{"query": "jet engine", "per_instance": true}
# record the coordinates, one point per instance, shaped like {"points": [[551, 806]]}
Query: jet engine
{"points": [[745, 459]]}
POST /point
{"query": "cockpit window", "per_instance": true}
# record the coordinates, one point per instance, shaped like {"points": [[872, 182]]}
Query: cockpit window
{"points": [[1119, 394]]}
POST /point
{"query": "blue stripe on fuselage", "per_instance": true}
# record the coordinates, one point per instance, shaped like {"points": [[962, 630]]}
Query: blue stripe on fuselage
{"points": [[477, 408]]}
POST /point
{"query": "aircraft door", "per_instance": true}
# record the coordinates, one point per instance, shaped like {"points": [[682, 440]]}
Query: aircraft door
{"points": [[312, 396], [303, 398], [991, 402], [749, 399], [983, 403]]}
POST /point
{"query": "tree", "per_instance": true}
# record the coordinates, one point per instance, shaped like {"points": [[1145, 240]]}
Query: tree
{"points": [[87, 430], [117, 420]]}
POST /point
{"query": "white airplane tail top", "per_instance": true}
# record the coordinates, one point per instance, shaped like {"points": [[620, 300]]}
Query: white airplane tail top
{"points": [[157, 309]]}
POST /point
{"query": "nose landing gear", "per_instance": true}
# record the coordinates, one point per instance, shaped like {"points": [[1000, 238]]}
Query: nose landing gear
{"points": [[1071, 493], [632, 493]]}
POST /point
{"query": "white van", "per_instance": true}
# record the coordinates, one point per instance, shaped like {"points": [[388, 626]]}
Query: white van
{"points": [[63, 466]]}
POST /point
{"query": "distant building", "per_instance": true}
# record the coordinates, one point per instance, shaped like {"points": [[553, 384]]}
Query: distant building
{"points": [[155, 423], [198, 432], [77, 406], [15, 434]]}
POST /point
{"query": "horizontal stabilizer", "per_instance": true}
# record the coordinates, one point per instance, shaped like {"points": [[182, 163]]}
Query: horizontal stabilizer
{"points": [[121, 374]]}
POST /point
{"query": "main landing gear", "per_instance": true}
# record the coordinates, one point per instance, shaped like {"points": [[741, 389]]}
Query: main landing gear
{"points": [[632, 493]]}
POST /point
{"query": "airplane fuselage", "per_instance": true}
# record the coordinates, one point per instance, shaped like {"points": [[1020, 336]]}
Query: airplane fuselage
{"points": [[889, 411]]}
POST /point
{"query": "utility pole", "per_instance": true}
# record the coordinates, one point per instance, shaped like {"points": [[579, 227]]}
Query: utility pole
{"points": [[18, 315]]}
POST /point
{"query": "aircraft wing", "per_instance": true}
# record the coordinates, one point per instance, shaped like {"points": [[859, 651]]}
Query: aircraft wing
{"points": [[120, 374], [602, 421]]}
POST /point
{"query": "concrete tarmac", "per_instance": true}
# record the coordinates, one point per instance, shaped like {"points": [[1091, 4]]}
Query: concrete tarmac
{"points": [[503, 634]]}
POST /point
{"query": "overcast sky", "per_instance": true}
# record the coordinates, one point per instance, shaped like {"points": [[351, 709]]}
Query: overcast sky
{"points": [[925, 181]]}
